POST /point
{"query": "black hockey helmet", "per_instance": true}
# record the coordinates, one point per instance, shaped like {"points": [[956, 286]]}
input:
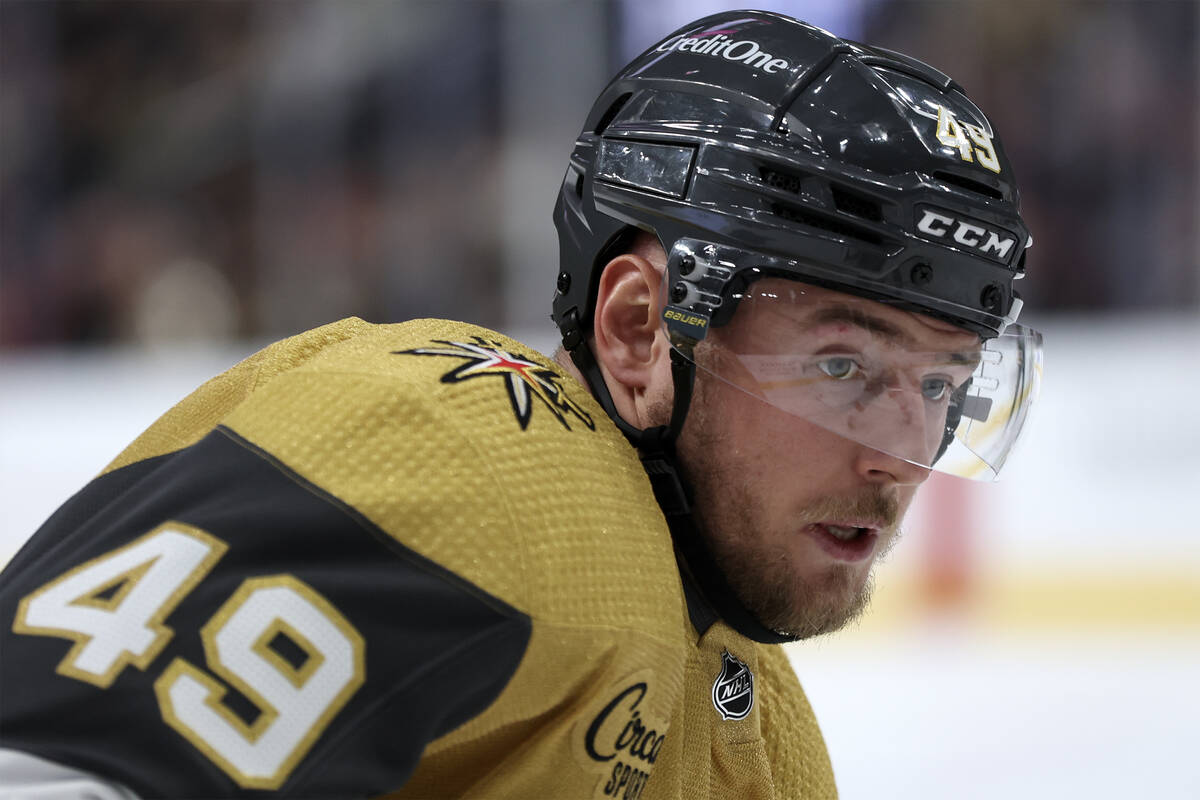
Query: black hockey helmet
{"points": [[753, 145]]}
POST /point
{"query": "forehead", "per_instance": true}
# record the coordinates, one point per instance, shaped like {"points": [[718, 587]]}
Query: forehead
{"points": [[807, 308]]}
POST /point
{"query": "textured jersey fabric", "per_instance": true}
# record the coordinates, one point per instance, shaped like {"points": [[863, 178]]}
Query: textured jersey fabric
{"points": [[456, 502]]}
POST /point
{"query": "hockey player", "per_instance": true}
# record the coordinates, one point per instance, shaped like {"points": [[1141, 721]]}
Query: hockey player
{"points": [[423, 559]]}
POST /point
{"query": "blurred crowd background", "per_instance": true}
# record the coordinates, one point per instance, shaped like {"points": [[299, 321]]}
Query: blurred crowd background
{"points": [[233, 169], [182, 181]]}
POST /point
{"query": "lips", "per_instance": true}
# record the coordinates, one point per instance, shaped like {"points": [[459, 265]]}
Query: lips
{"points": [[845, 540], [843, 532]]}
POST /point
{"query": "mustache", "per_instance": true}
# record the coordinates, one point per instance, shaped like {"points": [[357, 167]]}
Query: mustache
{"points": [[872, 503]]}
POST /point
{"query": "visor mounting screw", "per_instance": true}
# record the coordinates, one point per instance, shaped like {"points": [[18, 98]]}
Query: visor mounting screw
{"points": [[991, 299], [678, 292], [687, 264], [564, 282], [921, 274], [572, 332]]}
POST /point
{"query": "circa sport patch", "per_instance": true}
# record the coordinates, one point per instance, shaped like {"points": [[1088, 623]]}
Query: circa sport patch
{"points": [[733, 690], [619, 735], [524, 378]]}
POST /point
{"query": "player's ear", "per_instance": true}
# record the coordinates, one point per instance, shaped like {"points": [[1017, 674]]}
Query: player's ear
{"points": [[627, 333]]}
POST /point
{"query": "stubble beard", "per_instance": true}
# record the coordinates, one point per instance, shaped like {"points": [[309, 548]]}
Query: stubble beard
{"points": [[785, 599], [800, 603]]}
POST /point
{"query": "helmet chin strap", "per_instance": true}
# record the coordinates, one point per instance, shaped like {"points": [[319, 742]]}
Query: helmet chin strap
{"points": [[656, 446]]}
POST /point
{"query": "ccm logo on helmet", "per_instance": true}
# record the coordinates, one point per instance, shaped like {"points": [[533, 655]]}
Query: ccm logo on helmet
{"points": [[967, 232], [746, 51]]}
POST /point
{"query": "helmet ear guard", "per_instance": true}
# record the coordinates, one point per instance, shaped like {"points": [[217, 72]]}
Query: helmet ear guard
{"points": [[656, 444]]}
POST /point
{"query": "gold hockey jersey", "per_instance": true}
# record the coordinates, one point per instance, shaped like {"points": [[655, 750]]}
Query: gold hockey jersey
{"points": [[414, 559]]}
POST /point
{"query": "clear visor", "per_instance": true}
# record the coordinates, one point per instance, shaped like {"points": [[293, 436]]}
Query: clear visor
{"points": [[901, 383]]}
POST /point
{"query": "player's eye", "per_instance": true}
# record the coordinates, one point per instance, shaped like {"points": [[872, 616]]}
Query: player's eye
{"points": [[839, 368], [935, 388]]}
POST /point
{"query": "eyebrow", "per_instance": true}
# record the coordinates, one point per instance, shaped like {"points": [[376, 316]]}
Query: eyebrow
{"points": [[859, 318], [886, 330]]}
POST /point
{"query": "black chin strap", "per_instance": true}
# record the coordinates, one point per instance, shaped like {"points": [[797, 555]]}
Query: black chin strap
{"points": [[656, 447]]}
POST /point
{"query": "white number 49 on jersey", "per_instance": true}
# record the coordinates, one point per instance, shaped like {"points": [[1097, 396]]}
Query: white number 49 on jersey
{"points": [[113, 608]]}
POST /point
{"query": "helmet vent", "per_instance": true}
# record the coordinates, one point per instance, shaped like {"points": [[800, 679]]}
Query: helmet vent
{"points": [[805, 217], [968, 184], [781, 181], [612, 112], [844, 200], [855, 204]]}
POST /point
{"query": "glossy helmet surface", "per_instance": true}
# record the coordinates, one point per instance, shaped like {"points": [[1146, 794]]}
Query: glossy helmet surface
{"points": [[754, 131]]}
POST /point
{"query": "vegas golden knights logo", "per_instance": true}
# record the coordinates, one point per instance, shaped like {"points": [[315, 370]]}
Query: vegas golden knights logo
{"points": [[525, 379], [733, 690]]}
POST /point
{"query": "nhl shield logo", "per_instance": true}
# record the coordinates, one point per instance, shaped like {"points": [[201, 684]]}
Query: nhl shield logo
{"points": [[733, 690]]}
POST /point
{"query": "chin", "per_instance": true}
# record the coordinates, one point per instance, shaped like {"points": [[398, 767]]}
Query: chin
{"points": [[808, 606]]}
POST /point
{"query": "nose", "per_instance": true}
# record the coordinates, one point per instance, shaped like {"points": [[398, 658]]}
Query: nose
{"points": [[884, 469], [900, 426]]}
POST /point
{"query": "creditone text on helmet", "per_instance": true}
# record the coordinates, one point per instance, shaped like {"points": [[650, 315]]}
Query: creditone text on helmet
{"points": [[746, 51]]}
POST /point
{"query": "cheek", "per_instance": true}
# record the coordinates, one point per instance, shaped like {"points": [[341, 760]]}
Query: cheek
{"points": [[776, 457], [793, 447]]}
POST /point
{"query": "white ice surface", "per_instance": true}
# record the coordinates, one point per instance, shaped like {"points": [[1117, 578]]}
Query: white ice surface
{"points": [[1108, 476]]}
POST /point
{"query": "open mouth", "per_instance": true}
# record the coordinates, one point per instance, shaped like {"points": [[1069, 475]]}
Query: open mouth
{"points": [[845, 542], [844, 532]]}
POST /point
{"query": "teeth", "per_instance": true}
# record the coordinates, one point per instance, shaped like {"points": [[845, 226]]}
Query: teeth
{"points": [[843, 533]]}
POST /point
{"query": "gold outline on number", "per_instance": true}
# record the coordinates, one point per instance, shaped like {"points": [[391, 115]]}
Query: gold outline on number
{"points": [[982, 140], [163, 633], [128, 579], [947, 121], [178, 667], [297, 677]]}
